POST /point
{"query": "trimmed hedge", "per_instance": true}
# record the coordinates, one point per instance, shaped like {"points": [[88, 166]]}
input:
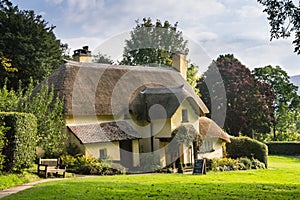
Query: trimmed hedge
{"points": [[20, 140], [2, 128], [247, 147], [284, 148]]}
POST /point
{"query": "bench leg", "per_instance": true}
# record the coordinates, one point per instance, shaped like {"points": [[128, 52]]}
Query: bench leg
{"points": [[64, 174], [46, 174]]}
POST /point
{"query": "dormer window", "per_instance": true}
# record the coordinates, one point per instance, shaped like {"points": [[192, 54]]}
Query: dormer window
{"points": [[184, 115]]}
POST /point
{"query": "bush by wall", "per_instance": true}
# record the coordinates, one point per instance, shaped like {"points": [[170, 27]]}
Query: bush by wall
{"points": [[88, 165], [247, 147], [20, 140], [284, 148], [229, 164]]}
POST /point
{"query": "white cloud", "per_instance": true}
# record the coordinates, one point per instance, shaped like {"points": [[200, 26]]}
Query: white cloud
{"points": [[250, 11], [219, 26]]}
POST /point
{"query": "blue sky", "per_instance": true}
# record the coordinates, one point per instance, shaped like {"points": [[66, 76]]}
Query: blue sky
{"points": [[212, 26]]}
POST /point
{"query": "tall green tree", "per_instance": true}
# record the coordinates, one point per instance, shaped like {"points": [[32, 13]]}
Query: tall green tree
{"points": [[248, 101], [46, 107], [29, 43], [284, 19], [286, 103], [153, 43]]}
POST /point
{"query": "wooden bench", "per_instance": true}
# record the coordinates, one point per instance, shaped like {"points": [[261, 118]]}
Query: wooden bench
{"points": [[47, 166]]}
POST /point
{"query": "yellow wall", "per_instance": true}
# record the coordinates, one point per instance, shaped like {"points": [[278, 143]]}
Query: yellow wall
{"points": [[112, 149], [135, 151], [218, 150], [176, 120]]}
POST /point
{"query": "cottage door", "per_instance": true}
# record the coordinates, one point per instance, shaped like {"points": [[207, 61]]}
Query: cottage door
{"points": [[126, 153]]}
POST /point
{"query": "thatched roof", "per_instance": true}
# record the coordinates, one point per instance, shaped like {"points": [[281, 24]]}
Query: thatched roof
{"points": [[104, 132], [208, 128], [100, 89], [168, 99]]}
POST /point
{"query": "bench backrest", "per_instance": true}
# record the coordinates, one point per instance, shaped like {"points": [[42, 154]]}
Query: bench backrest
{"points": [[49, 162]]}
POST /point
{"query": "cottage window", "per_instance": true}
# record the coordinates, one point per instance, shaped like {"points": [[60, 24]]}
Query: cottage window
{"points": [[103, 154], [184, 115]]}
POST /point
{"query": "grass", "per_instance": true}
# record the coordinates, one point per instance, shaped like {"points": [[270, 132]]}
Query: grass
{"points": [[10, 180], [280, 181]]}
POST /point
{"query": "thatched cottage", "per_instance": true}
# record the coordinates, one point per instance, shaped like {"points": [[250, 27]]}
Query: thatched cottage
{"points": [[128, 113]]}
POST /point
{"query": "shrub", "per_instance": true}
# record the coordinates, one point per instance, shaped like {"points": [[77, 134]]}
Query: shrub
{"points": [[256, 164], [20, 140], [224, 164], [284, 148], [228, 164], [244, 163], [2, 128], [247, 147], [88, 165]]}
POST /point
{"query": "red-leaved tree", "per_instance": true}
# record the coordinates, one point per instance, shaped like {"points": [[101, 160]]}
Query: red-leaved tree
{"points": [[248, 101]]}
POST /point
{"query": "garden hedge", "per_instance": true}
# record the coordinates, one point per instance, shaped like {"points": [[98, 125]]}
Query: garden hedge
{"points": [[284, 148], [1, 145], [247, 147], [20, 140]]}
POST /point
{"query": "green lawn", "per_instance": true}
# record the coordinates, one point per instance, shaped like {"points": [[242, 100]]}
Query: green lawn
{"points": [[280, 181], [10, 180]]}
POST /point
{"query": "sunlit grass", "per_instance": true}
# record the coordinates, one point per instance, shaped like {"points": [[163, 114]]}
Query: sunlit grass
{"points": [[280, 181]]}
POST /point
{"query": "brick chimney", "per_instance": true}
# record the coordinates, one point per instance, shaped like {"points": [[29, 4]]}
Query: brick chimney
{"points": [[179, 63], [82, 55]]}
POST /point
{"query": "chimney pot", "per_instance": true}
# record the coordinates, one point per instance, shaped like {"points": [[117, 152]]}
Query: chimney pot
{"points": [[82, 55]]}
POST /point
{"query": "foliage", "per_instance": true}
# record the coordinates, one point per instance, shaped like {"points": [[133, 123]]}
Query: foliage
{"points": [[284, 148], [244, 163], [88, 165], [186, 134], [2, 141], [224, 164], [286, 104], [6, 64], [229, 164], [192, 77], [49, 111], [248, 102], [153, 44], [29, 43], [247, 147], [11, 180], [46, 107], [65, 51], [102, 58], [20, 143], [283, 16]]}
